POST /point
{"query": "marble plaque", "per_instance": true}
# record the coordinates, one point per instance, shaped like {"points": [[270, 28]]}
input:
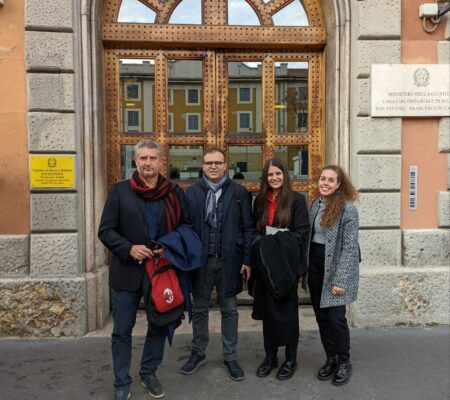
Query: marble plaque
{"points": [[410, 90]]}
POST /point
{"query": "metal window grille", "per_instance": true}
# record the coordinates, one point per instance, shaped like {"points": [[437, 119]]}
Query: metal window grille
{"points": [[193, 122], [133, 118]]}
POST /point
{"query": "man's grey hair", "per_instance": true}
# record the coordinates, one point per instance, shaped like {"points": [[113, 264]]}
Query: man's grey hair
{"points": [[148, 144]]}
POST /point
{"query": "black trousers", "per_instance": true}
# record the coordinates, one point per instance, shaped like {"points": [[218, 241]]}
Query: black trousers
{"points": [[333, 327], [271, 349]]}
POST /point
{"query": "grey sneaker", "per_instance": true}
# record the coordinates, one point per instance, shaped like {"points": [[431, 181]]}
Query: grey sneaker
{"points": [[121, 395], [191, 365], [153, 386]]}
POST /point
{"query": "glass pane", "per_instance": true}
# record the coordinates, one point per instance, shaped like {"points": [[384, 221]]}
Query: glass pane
{"points": [[245, 162], [185, 102], [241, 13], [137, 111], [296, 158], [187, 12], [291, 97], [244, 98], [135, 12], [185, 162], [292, 15], [127, 160]]}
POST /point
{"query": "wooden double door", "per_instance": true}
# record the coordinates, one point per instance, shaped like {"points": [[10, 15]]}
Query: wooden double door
{"points": [[255, 104]]}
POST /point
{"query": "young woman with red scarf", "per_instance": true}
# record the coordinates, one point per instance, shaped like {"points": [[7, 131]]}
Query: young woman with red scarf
{"points": [[280, 254]]}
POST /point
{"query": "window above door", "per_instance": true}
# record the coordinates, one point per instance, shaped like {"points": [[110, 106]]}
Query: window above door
{"points": [[287, 24]]}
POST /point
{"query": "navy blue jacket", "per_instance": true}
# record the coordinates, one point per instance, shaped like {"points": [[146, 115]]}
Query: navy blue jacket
{"points": [[237, 233]]}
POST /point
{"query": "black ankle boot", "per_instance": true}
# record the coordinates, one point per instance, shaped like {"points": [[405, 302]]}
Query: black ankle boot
{"points": [[342, 373], [267, 366], [287, 370], [327, 369]]}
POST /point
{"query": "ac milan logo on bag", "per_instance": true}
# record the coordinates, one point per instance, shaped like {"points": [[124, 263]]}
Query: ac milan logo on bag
{"points": [[168, 296]]}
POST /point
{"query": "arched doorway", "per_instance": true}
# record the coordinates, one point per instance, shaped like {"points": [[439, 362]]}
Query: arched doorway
{"points": [[252, 81]]}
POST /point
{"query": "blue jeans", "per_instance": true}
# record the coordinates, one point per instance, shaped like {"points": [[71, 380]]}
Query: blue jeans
{"points": [[228, 310], [125, 305]]}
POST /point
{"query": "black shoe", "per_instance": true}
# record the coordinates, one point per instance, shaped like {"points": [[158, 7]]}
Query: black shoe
{"points": [[153, 386], [342, 373], [121, 395], [267, 366], [327, 369], [234, 370], [286, 371], [195, 360]]}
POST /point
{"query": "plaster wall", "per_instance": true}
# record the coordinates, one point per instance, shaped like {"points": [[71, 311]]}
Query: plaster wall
{"points": [[14, 187]]}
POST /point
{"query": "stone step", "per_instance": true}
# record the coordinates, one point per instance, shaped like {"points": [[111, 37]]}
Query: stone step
{"points": [[246, 323]]}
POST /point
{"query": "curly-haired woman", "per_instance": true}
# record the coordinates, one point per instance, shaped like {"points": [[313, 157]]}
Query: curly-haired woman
{"points": [[333, 273]]}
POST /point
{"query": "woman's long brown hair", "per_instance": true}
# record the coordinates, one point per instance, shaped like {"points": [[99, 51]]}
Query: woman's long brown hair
{"points": [[336, 201], [283, 212]]}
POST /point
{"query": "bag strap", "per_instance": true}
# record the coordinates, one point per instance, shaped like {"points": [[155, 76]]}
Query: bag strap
{"points": [[154, 264]]}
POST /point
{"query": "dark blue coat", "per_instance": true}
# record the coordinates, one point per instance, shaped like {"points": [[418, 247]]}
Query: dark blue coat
{"points": [[237, 233]]}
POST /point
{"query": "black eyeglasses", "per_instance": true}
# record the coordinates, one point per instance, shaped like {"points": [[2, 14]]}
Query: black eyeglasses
{"points": [[211, 163]]}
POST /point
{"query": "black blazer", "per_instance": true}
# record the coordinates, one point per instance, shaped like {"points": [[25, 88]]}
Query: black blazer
{"points": [[124, 223]]}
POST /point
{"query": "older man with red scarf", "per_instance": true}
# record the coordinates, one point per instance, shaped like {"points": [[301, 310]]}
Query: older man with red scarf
{"points": [[137, 212]]}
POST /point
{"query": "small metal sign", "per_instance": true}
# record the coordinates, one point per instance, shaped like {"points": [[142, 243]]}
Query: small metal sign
{"points": [[52, 171]]}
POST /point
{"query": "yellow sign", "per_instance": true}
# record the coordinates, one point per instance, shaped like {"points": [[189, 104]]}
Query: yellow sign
{"points": [[52, 171]]}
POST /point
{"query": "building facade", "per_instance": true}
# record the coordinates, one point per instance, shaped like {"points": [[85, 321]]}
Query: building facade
{"points": [[83, 80]]}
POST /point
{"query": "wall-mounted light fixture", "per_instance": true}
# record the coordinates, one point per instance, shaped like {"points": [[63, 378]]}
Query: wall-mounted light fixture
{"points": [[432, 12]]}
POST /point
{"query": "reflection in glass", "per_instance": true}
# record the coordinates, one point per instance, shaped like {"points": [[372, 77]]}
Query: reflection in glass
{"points": [[134, 11], [293, 14], [296, 158], [127, 162], [137, 95], [244, 98], [185, 162], [185, 103], [187, 12], [241, 13], [245, 162], [291, 97]]}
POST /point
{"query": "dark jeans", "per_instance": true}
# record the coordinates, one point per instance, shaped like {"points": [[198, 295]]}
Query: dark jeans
{"points": [[333, 327], [125, 305], [228, 310]]}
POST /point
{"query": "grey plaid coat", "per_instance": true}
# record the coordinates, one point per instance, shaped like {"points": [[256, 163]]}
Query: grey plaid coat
{"points": [[341, 256]]}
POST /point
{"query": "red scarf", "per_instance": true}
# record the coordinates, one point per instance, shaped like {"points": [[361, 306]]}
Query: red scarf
{"points": [[164, 190], [272, 202]]}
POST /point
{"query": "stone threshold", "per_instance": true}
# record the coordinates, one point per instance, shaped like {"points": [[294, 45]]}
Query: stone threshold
{"points": [[246, 323]]}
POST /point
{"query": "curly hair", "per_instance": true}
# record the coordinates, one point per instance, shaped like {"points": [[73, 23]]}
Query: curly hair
{"points": [[346, 192]]}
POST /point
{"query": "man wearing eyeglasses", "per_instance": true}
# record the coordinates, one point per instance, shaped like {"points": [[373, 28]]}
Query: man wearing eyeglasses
{"points": [[220, 212]]}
